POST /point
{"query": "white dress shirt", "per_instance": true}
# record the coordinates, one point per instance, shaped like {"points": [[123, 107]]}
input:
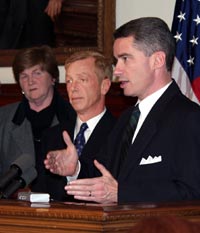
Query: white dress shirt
{"points": [[146, 105], [91, 123]]}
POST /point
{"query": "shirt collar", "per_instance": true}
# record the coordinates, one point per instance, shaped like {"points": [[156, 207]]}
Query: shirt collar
{"points": [[146, 104], [91, 122]]}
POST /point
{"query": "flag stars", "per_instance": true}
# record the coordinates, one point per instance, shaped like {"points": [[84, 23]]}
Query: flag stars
{"points": [[181, 16], [178, 36], [197, 20], [194, 41], [191, 61]]}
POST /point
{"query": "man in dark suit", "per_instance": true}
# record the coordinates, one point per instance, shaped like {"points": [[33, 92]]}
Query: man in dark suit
{"points": [[163, 160], [88, 79]]}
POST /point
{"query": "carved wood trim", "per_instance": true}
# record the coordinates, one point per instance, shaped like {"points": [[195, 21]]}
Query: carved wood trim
{"points": [[19, 216]]}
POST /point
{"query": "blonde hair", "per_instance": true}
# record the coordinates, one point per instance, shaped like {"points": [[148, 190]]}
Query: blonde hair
{"points": [[103, 66]]}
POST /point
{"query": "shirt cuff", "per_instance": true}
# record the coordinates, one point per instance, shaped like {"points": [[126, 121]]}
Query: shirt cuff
{"points": [[78, 168]]}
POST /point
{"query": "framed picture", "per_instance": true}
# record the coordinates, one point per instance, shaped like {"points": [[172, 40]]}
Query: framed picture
{"points": [[82, 24]]}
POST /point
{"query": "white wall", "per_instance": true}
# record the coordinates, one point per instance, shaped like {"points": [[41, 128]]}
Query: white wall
{"points": [[125, 11], [129, 9]]}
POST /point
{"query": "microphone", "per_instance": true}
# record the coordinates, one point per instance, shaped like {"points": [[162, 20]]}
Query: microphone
{"points": [[18, 167], [28, 176]]}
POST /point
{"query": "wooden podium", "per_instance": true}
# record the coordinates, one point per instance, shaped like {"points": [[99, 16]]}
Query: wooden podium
{"points": [[25, 217]]}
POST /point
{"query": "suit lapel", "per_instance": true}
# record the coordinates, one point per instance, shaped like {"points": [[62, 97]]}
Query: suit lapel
{"points": [[142, 140], [101, 131]]}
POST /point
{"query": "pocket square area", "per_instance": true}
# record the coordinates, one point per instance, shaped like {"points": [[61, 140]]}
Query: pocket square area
{"points": [[150, 160]]}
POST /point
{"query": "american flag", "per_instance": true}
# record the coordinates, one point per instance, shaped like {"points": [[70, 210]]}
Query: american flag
{"points": [[186, 31]]}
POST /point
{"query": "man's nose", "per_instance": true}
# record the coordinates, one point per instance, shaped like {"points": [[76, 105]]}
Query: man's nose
{"points": [[74, 85], [117, 70]]}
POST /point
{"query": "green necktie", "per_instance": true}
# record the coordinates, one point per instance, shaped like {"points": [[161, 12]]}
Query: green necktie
{"points": [[129, 132]]}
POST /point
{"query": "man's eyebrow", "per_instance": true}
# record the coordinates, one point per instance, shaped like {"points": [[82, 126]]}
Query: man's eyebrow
{"points": [[124, 54], [82, 74]]}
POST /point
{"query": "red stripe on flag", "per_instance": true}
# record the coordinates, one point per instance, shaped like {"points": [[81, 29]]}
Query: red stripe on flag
{"points": [[196, 87]]}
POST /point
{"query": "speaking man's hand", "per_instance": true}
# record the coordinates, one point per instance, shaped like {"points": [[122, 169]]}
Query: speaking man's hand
{"points": [[102, 189]]}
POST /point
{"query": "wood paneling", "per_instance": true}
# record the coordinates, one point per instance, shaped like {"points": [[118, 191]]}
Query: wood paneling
{"points": [[115, 100]]}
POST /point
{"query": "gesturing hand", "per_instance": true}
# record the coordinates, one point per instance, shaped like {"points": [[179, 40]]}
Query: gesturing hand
{"points": [[63, 162], [102, 189]]}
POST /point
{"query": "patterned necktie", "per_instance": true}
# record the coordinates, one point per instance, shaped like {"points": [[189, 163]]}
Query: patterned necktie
{"points": [[79, 141], [129, 132]]}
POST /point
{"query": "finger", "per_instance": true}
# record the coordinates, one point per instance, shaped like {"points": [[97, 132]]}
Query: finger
{"points": [[49, 11], [67, 139], [78, 190], [56, 9], [83, 182], [102, 169], [86, 195], [51, 156], [50, 159]]}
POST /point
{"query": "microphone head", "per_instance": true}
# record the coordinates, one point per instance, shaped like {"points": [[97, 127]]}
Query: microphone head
{"points": [[29, 175], [23, 162], [17, 168]]}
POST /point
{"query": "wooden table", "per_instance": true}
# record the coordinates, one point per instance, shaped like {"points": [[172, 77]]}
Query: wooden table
{"points": [[21, 217]]}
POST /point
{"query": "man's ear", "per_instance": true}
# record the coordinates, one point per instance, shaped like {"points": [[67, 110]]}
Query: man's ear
{"points": [[159, 59], [105, 86]]}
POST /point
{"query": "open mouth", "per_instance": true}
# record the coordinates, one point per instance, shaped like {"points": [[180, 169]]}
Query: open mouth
{"points": [[123, 83]]}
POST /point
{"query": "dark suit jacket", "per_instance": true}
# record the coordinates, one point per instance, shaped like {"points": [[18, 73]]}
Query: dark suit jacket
{"points": [[172, 131], [53, 140]]}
